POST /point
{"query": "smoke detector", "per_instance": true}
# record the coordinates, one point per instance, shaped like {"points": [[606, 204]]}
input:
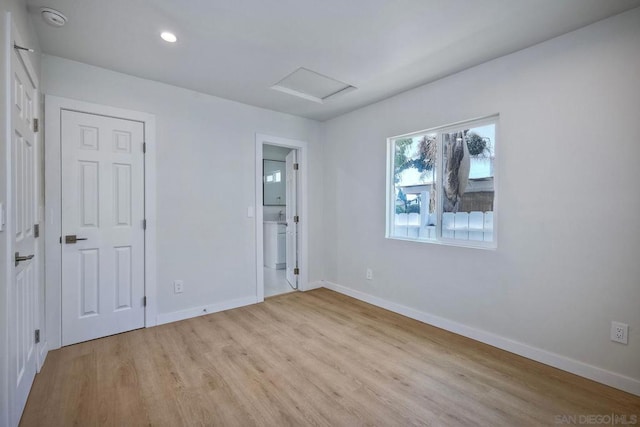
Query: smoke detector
{"points": [[53, 17]]}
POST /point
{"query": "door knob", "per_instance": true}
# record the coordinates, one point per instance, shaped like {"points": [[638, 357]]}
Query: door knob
{"points": [[22, 258], [72, 238]]}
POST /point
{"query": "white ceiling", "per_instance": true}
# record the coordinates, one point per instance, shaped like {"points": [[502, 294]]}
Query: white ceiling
{"points": [[238, 49]]}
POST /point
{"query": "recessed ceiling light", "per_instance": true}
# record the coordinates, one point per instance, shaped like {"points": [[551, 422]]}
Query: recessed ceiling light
{"points": [[168, 37]]}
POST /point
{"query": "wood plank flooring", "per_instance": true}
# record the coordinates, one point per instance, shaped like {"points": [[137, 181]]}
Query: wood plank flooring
{"points": [[315, 358]]}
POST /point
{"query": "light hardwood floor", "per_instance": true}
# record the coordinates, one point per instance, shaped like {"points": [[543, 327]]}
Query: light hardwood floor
{"points": [[315, 358]]}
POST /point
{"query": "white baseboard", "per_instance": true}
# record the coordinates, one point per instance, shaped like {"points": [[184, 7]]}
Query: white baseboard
{"points": [[314, 285], [628, 384], [175, 316]]}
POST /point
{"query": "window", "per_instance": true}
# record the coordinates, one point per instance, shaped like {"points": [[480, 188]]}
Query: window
{"points": [[441, 185]]}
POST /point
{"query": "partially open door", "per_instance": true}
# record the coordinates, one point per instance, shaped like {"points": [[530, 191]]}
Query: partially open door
{"points": [[292, 218], [23, 287]]}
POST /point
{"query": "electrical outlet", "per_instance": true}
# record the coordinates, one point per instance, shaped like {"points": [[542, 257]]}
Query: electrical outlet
{"points": [[178, 286], [369, 274], [619, 332]]}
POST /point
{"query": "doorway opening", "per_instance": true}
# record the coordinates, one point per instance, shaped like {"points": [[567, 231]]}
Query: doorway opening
{"points": [[280, 219]]}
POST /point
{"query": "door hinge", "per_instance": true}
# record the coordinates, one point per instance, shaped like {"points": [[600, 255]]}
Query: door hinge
{"points": [[144, 301], [36, 125], [296, 218], [144, 147], [296, 166], [37, 334], [36, 230], [144, 224], [296, 271], [60, 239]]}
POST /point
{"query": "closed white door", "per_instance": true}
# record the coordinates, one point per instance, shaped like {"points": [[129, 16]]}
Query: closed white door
{"points": [[102, 226], [292, 215], [23, 289]]}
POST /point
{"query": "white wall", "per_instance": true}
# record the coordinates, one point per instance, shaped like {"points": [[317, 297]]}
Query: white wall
{"points": [[205, 179], [20, 18], [567, 262]]}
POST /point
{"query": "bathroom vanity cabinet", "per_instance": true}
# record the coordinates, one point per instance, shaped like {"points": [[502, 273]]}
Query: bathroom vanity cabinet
{"points": [[275, 247]]}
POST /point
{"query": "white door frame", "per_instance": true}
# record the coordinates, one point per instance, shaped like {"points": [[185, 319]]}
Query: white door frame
{"points": [[53, 231], [303, 211]]}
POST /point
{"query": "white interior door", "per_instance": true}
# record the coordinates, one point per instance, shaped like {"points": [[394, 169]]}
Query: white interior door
{"points": [[23, 289], [102, 226], [292, 214]]}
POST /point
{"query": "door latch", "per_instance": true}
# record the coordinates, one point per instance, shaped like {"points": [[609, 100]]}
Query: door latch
{"points": [[72, 238]]}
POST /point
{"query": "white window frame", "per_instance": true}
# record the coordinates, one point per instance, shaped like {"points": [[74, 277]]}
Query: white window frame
{"points": [[439, 167]]}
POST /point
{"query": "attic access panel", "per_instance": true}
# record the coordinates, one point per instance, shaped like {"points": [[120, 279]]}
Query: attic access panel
{"points": [[312, 86]]}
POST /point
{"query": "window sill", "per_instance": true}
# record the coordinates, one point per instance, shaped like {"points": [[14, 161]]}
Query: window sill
{"points": [[471, 244]]}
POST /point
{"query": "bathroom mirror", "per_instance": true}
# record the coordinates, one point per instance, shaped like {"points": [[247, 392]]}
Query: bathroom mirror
{"points": [[273, 183]]}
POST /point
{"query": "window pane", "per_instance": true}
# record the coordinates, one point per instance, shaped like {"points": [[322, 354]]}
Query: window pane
{"points": [[467, 184], [414, 181]]}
